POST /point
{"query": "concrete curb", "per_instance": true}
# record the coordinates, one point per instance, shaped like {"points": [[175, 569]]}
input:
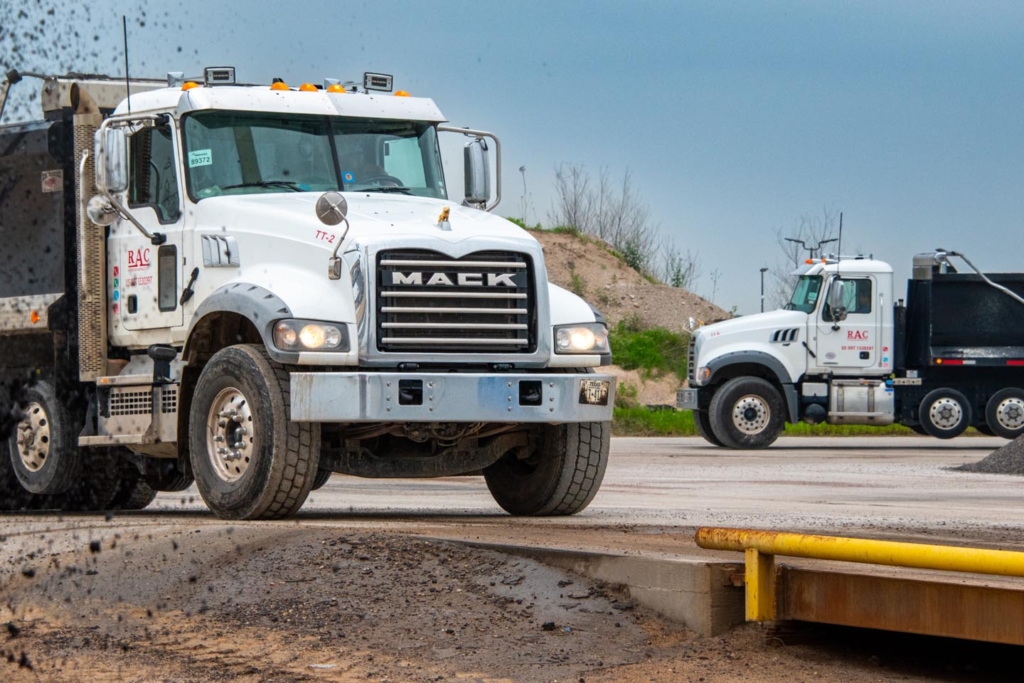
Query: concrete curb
{"points": [[698, 593]]}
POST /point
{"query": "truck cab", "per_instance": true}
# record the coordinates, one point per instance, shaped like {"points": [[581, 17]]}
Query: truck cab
{"points": [[843, 351], [273, 285]]}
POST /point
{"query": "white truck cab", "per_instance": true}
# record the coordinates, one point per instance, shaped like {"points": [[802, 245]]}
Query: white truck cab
{"points": [[275, 286], [845, 352]]}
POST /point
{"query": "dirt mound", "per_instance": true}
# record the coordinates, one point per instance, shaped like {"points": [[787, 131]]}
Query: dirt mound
{"points": [[586, 266], [1007, 460]]}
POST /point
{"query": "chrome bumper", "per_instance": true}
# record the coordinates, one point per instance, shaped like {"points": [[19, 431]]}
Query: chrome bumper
{"points": [[450, 397], [686, 399]]}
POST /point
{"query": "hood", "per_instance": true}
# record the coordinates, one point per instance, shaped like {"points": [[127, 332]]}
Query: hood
{"points": [[770, 321], [370, 215]]}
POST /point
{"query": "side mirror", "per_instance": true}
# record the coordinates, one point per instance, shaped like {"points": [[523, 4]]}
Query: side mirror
{"points": [[111, 154], [478, 173], [835, 301]]}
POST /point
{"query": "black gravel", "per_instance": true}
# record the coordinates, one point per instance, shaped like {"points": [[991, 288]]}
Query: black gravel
{"points": [[1007, 460]]}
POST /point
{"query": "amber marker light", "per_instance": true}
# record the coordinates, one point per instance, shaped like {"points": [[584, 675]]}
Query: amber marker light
{"points": [[188, 85], [402, 93], [280, 85], [307, 87], [336, 87], [34, 317]]}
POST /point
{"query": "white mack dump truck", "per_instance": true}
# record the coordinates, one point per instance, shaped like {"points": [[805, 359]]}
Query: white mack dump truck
{"points": [[253, 287], [844, 351]]}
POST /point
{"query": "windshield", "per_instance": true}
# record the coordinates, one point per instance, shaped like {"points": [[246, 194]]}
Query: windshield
{"points": [[805, 296], [245, 153]]}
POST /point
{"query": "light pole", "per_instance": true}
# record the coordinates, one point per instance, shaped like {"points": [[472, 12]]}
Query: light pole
{"points": [[763, 271]]}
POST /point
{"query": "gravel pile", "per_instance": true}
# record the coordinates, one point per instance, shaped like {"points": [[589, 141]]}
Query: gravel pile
{"points": [[1007, 460]]}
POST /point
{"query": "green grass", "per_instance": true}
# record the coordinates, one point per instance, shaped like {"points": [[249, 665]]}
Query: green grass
{"points": [[653, 352], [641, 421]]}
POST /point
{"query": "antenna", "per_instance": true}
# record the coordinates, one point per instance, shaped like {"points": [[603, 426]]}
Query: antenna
{"points": [[127, 81], [839, 256]]}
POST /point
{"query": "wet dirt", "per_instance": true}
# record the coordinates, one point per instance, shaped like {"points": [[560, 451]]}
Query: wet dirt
{"points": [[141, 599]]}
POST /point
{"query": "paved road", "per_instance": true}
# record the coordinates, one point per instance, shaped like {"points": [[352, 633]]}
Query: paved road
{"points": [[883, 486]]}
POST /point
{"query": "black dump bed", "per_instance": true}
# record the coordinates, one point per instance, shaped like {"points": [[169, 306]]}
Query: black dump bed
{"points": [[37, 201], [959, 315]]}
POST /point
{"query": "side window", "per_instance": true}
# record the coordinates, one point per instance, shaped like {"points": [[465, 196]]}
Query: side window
{"points": [[856, 297], [153, 179]]}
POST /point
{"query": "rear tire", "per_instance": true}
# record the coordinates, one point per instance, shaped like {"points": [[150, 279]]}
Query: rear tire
{"points": [[702, 420], [43, 449], [133, 493], [945, 413], [249, 459], [1004, 413], [322, 476], [747, 413], [560, 477]]}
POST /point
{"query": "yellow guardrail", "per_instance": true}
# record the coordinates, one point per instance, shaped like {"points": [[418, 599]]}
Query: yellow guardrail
{"points": [[761, 547]]}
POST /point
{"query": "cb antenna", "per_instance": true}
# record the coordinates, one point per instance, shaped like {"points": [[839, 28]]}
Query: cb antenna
{"points": [[127, 81]]}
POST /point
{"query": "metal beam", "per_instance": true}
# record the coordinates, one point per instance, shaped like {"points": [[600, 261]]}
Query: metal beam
{"points": [[955, 610]]}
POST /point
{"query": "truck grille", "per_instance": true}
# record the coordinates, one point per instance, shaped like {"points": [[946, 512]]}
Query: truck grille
{"points": [[430, 302], [691, 356]]}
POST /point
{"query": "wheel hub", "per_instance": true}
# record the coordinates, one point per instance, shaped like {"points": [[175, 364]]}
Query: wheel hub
{"points": [[33, 437], [230, 434], [946, 413], [1010, 413], [751, 414]]}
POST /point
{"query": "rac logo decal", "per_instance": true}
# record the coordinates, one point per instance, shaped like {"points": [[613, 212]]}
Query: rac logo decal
{"points": [[857, 335], [138, 258]]}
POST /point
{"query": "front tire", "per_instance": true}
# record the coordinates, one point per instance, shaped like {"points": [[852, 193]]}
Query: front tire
{"points": [[249, 459], [747, 413], [1004, 413], [945, 413], [560, 477]]}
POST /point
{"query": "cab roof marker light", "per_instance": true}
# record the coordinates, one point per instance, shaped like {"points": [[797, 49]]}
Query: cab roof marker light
{"points": [[189, 85], [308, 87], [337, 88], [402, 93], [279, 85]]}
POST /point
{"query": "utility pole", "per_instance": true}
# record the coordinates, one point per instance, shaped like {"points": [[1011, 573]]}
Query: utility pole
{"points": [[522, 170]]}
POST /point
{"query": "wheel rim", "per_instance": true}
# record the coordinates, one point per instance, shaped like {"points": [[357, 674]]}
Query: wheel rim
{"points": [[230, 434], [751, 414], [1010, 413], [33, 437], [946, 413]]}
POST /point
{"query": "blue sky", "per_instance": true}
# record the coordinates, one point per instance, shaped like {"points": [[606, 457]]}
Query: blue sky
{"points": [[734, 118]]}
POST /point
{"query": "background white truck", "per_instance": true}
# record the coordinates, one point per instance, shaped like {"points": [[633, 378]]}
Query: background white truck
{"points": [[844, 351], [256, 286]]}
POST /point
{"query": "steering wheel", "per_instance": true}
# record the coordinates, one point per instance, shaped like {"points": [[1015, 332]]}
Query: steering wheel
{"points": [[382, 180]]}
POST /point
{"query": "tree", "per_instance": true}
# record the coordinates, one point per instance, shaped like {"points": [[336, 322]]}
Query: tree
{"points": [[815, 231], [616, 214]]}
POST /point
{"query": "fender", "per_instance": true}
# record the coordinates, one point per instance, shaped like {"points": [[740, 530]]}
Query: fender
{"points": [[256, 304], [768, 361]]}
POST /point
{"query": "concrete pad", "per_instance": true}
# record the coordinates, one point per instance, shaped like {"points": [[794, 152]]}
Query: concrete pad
{"points": [[696, 592]]}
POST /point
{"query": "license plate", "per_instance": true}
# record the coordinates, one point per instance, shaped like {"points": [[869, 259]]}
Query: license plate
{"points": [[594, 392]]}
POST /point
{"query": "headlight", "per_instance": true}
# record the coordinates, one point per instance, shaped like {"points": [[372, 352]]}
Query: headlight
{"points": [[589, 338], [306, 335]]}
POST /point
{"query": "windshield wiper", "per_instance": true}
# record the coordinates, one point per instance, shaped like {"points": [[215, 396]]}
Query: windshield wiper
{"points": [[290, 184], [402, 190]]}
